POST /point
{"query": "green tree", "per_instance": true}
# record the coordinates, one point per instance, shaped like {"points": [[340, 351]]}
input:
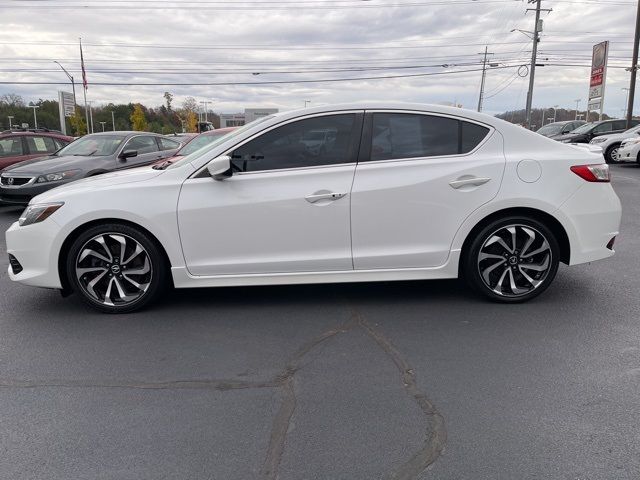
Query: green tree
{"points": [[169, 98], [138, 119], [78, 125]]}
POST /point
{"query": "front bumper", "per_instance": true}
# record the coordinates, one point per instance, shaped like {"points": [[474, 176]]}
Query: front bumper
{"points": [[36, 250], [629, 153], [22, 195]]}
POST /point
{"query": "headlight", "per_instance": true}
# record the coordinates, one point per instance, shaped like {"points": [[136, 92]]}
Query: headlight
{"points": [[38, 212], [634, 141], [598, 140], [54, 177]]}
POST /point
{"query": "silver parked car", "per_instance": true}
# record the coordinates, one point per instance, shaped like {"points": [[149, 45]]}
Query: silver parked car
{"points": [[88, 156]]}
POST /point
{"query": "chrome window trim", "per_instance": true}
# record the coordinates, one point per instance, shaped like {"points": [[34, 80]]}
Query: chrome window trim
{"points": [[434, 114], [197, 173]]}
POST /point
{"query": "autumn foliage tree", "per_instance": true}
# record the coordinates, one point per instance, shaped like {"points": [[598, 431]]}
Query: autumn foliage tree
{"points": [[138, 119]]}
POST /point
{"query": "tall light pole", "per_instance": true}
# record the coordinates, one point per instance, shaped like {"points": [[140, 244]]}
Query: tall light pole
{"points": [[103, 124], [90, 102], [555, 111], [113, 120], [35, 117], [73, 84], [625, 101], [10, 117], [577, 100]]}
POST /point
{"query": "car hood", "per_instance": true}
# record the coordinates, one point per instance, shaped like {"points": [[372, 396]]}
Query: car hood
{"points": [[89, 184], [51, 164]]}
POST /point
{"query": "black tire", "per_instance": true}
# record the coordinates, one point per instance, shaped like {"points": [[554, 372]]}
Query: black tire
{"points": [[106, 241], [485, 243], [608, 154]]}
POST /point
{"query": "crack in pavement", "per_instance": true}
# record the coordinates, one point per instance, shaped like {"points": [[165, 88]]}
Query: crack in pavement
{"points": [[432, 446]]}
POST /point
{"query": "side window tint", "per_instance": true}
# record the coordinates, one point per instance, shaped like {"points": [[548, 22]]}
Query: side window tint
{"points": [[472, 136], [142, 145], [11, 147], [41, 144], [306, 143], [400, 135], [166, 144], [619, 125], [604, 127]]}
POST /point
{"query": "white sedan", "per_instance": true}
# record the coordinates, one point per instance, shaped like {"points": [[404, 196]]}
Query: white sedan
{"points": [[629, 150], [395, 192]]}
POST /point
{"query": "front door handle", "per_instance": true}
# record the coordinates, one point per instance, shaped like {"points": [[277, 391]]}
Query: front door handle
{"points": [[474, 181], [318, 197]]}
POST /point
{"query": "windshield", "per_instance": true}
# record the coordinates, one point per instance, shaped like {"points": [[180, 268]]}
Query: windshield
{"points": [[551, 129], [199, 142], [584, 128], [218, 140], [93, 145]]}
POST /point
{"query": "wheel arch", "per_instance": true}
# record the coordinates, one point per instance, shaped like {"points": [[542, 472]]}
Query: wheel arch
{"points": [[68, 241], [547, 219]]}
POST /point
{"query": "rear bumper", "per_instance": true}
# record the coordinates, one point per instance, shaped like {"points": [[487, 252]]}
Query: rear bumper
{"points": [[592, 218]]}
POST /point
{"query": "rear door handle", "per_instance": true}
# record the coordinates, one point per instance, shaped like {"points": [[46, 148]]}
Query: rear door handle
{"points": [[476, 181], [318, 197]]}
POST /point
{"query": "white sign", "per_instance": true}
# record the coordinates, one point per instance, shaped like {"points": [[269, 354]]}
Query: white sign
{"points": [[595, 104], [598, 77], [68, 104]]}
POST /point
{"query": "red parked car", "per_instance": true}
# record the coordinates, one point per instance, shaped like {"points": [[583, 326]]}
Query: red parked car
{"points": [[18, 146], [194, 143]]}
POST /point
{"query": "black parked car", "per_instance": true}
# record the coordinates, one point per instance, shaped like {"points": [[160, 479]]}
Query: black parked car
{"points": [[587, 132]]}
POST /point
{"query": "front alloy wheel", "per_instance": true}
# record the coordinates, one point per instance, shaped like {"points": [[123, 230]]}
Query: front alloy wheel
{"points": [[612, 155], [512, 261], [115, 268]]}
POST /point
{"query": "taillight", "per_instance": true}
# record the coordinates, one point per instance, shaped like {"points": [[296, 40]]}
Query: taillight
{"points": [[593, 173]]}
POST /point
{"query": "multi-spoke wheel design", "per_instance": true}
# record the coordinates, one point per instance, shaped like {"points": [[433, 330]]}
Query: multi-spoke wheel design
{"points": [[116, 268], [512, 260], [612, 155], [113, 269]]}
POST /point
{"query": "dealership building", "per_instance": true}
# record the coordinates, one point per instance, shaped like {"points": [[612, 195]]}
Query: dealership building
{"points": [[249, 115]]}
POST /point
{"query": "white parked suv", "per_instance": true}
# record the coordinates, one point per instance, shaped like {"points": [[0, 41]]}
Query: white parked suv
{"points": [[399, 192], [610, 144]]}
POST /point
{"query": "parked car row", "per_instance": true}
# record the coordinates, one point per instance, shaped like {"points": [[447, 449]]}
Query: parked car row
{"points": [[34, 162], [609, 135]]}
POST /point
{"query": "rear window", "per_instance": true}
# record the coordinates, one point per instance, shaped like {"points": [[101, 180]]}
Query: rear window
{"points": [[406, 135]]}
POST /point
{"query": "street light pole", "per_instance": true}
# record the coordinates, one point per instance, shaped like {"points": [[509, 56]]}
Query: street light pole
{"points": [[90, 102], [10, 117], [35, 117], [113, 120], [578, 100], [555, 111], [73, 84], [103, 124]]}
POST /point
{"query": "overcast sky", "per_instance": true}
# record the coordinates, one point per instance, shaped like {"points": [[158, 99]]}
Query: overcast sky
{"points": [[211, 41]]}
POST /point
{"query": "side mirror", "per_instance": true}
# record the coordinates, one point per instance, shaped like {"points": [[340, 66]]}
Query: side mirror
{"points": [[128, 154], [220, 168]]}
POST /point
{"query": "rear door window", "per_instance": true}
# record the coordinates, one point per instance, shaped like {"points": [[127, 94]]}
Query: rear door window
{"points": [[166, 144], [407, 135], [142, 144], [41, 145], [11, 147]]}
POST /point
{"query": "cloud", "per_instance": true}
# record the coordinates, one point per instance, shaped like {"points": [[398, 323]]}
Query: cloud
{"points": [[202, 45]]}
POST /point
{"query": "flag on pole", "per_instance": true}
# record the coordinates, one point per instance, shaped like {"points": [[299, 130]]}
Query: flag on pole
{"points": [[85, 84]]}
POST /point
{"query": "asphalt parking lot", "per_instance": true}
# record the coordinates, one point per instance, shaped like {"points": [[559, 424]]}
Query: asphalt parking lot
{"points": [[370, 381]]}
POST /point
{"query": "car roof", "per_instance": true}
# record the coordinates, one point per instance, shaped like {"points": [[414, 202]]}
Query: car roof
{"points": [[19, 133]]}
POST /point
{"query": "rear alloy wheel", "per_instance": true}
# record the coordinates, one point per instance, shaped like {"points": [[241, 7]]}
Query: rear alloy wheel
{"points": [[512, 260], [612, 155], [116, 268]]}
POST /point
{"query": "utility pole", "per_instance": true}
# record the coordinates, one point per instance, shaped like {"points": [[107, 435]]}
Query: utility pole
{"points": [[113, 120], [534, 55], [634, 70], [577, 100], [625, 101], [484, 75]]}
